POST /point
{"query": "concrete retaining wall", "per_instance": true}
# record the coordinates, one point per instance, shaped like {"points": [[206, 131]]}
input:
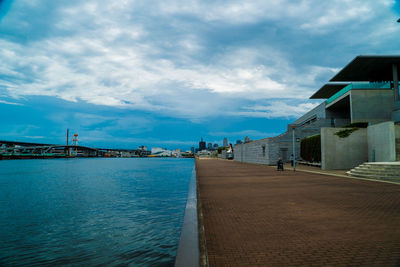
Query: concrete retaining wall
{"points": [[382, 142], [371, 105], [253, 152], [343, 153], [188, 253], [276, 147]]}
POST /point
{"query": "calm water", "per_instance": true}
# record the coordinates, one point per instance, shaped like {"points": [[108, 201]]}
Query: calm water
{"points": [[119, 211]]}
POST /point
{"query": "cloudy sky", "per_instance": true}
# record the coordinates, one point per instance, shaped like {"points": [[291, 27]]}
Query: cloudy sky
{"points": [[166, 73]]}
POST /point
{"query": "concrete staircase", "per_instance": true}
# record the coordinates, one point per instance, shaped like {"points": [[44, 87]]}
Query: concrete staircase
{"points": [[389, 171]]}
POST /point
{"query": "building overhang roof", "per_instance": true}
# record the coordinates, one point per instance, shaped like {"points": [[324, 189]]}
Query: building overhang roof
{"points": [[328, 90], [367, 68]]}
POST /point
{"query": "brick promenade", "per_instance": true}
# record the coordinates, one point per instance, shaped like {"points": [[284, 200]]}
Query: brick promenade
{"points": [[256, 216]]}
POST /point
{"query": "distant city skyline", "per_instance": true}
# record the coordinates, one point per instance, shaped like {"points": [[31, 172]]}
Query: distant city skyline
{"points": [[122, 75]]}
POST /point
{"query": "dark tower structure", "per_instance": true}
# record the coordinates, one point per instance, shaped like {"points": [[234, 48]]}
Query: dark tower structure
{"points": [[202, 145]]}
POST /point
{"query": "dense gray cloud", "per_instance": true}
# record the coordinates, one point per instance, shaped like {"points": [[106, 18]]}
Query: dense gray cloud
{"points": [[190, 59]]}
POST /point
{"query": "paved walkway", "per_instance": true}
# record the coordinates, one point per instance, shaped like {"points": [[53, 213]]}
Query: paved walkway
{"points": [[301, 167], [256, 216]]}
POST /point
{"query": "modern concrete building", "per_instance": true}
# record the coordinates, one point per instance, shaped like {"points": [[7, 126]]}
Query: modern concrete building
{"points": [[372, 98], [378, 104], [376, 143], [269, 150], [382, 68], [356, 102]]}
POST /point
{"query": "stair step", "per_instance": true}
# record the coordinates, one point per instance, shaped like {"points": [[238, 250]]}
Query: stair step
{"points": [[390, 178], [394, 172], [380, 167], [384, 171], [377, 171], [377, 168], [380, 174]]}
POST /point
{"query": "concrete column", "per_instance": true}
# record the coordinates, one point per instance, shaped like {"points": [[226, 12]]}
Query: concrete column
{"points": [[396, 110], [396, 83], [294, 148]]}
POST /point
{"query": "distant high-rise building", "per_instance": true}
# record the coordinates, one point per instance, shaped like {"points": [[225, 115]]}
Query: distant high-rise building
{"points": [[209, 146], [247, 139], [202, 145], [238, 142], [192, 149], [216, 146], [225, 142]]}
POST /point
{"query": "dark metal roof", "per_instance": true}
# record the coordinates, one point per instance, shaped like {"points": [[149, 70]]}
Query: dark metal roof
{"points": [[328, 90], [368, 68]]}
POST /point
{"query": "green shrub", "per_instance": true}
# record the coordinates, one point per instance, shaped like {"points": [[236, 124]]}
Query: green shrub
{"points": [[352, 127], [310, 148], [356, 125], [346, 132]]}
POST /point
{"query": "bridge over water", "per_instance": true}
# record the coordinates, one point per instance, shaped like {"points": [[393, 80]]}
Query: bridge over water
{"points": [[17, 150]]}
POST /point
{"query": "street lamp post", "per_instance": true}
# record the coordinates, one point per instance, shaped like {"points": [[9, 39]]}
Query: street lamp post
{"points": [[294, 148]]}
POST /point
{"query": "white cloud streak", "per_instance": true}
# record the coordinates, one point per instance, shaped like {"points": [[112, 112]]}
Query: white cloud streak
{"points": [[276, 109], [243, 133], [10, 103]]}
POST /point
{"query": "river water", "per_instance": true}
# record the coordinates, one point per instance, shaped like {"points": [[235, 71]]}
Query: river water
{"points": [[92, 211]]}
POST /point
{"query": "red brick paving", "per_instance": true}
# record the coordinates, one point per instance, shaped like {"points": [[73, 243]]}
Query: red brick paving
{"points": [[256, 216]]}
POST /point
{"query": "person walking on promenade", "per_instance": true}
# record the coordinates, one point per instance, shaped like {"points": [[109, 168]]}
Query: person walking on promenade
{"points": [[279, 164], [229, 152]]}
